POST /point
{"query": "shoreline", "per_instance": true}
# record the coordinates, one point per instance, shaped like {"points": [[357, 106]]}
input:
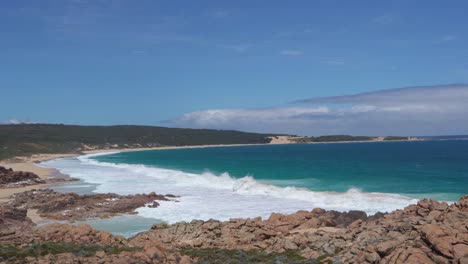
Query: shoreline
{"points": [[30, 163]]}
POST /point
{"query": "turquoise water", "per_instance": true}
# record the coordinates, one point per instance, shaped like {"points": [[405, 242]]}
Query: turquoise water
{"points": [[419, 169], [123, 225]]}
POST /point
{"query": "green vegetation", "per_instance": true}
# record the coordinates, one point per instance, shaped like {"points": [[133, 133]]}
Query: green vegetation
{"points": [[27, 139], [345, 138], [395, 138], [222, 256], [10, 252], [334, 138]]}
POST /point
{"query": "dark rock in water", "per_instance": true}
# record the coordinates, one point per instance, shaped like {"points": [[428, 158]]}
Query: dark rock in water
{"points": [[153, 205]]}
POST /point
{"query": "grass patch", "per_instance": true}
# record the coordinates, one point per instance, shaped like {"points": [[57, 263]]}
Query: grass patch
{"points": [[9, 252], [215, 255]]}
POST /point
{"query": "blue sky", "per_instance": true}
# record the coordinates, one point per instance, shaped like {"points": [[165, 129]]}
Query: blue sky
{"points": [[157, 62]]}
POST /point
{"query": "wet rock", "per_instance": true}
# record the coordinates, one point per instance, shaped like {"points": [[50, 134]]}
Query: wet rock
{"points": [[71, 206]]}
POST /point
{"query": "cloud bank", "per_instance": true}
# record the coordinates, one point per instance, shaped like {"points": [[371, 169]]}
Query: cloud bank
{"points": [[15, 121], [424, 110]]}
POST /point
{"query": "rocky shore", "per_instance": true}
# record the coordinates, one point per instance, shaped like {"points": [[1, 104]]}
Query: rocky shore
{"points": [[10, 178], [14, 179], [72, 207], [427, 232]]}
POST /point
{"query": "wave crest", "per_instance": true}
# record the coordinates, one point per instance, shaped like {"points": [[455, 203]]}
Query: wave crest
{"points": [[206, 195]]}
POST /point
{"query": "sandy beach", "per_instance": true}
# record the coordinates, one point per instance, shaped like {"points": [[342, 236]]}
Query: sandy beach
{"points": [[29, 164]]}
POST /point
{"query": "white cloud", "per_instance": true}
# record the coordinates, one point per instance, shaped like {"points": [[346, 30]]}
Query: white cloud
{"points": [[215, 117], [15, 121], [427, 110], [291, 52]]}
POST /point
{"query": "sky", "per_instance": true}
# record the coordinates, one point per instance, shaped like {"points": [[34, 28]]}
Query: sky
{"points": [[301, 67]]}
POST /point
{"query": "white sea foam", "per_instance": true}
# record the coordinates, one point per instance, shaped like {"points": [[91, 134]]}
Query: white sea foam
{"points": [[205, 196]]}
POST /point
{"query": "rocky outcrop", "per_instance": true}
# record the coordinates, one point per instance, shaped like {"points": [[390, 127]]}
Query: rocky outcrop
{"points": [[428, 232], [77, 234], [71, 206], [14, 224], [94, 247], [11, 179]]}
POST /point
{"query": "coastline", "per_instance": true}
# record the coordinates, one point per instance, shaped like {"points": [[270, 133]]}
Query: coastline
{"points": [[414, 229], [30, 164]]}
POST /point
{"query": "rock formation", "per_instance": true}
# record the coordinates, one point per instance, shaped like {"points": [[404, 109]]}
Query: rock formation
{"points": [[10, 178], [71, 206], [426, 232]]}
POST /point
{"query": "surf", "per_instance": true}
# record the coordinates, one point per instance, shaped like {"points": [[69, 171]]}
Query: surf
{"points": [[209, 196]]}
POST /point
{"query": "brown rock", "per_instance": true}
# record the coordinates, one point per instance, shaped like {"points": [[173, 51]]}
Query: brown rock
{"points": [[71, 206], [373, 257], [10, 178], [100, 254], [384, 248], [460, 251], [440, 238]]}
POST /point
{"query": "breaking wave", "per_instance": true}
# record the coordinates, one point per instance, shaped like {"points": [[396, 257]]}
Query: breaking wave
{"points": [[206, 195]]}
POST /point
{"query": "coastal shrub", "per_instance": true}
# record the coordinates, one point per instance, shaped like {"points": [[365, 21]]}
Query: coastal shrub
{"points": [[27, 139], [333, 138], [10, 252], [216, 255], [390, 138]]}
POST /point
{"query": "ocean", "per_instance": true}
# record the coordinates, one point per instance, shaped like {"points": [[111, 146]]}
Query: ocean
{"points": [[250, 181]]}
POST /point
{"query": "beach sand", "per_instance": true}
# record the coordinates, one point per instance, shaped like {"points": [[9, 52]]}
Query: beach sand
{"points": [[284, 140], [29, 164]]}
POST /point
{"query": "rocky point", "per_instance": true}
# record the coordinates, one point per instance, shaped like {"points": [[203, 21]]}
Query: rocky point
{"points": [[426, 232]]}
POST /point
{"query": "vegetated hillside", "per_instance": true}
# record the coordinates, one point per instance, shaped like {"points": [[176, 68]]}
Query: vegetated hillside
{"points": [[334, 138], [26, 139], [395, 138], [348, 138]]}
